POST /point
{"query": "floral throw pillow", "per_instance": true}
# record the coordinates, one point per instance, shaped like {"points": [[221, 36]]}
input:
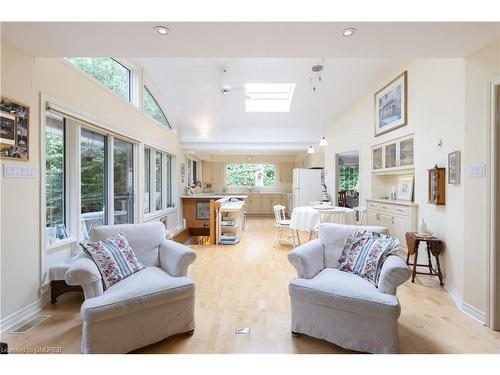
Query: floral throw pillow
{"points": [[114, 258], [364, 254]]}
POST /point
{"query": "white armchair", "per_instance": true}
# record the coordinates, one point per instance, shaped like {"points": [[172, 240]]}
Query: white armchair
{"points": [[342, 307], [147, 306]]}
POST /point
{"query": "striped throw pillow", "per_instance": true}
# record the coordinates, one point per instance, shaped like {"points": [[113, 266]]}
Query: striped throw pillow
{"points": [[364, 254], [114, 258]]}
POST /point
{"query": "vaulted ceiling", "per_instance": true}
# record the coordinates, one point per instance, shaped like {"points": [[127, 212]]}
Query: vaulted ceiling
{"points": [[185, 67]]}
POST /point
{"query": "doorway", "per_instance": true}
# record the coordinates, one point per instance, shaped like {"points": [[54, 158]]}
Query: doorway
{"points": [[494, 269], [347, 179]]}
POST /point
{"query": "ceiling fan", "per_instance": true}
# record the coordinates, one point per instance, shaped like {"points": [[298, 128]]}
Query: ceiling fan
{"points": [[224, 88]]}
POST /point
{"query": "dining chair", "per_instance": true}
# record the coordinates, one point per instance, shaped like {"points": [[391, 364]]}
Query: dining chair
{"points": [[281, 222], [342, 198], [360, 216]]}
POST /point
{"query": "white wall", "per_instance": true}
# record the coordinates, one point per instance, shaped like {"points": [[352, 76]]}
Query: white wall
{"points": [[436, 95], [481, 67], [23, 78]]}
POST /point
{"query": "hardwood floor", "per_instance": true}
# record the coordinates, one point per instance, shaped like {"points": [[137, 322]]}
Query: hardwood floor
{"points": [[246, 286]]}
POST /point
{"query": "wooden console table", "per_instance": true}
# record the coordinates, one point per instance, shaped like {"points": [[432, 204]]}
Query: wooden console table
{"points": [[434, 247]]}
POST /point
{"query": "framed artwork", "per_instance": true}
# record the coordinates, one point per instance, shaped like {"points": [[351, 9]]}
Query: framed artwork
{"points": [[7, 128], [14, 130], [202, 210], [391, 105], [454, 167], [405, 188]]}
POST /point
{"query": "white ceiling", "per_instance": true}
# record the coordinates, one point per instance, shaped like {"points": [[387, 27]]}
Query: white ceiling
{"points": [[250, 39], [208, 119], [185, 68]]}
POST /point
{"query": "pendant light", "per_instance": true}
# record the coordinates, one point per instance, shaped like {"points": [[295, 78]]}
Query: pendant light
{"points": [[310, 150], [316, 81]]}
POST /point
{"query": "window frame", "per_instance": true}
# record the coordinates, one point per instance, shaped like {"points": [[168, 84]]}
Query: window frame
{"points": [[65, 172], [147, 89], [167, 183], [131, 77], [274, 185]]}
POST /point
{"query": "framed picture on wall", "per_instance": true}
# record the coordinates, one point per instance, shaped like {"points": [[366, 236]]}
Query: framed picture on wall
{"points": [[14, 130], [454, 167], [391, 105], [405, 188], [202, 210], [7, 128]]}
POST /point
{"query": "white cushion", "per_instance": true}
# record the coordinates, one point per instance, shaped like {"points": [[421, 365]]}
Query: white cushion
{"points": [[345, 291], [333, 237], [144, 239], [149, 287]]}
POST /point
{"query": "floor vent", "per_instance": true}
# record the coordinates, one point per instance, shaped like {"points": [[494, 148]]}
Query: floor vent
{"points": [[242, 331], [31, 323]]}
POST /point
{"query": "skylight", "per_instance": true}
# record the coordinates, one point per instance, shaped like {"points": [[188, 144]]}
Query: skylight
{"points": [[268, 97]]}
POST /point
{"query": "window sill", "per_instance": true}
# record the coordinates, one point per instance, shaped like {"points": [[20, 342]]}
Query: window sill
{"points": [[158, 214], [62, 243]]}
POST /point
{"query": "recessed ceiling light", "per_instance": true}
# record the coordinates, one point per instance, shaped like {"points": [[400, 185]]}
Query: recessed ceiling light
{"points": [[162, 30], [349, 31]]}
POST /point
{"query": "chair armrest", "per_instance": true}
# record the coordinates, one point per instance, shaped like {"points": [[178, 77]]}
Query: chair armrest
{"points": [[308, 259], [394, 273], [84, 272], [175, 258]]}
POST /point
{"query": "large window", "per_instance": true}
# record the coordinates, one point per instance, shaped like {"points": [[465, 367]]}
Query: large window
{"points": [[123, 181], [109, 72], [147, 180], [192, 172], [106, 180], [55, 195], [153, 109], [158, 187], [93, 171], [349, 178], [250, 174]]}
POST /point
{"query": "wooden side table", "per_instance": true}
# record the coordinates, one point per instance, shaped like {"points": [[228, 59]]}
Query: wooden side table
{"points": [[59, 287], [434, 247]]}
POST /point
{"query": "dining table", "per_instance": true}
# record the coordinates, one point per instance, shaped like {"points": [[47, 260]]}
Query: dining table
{"points": [[308, 218]]}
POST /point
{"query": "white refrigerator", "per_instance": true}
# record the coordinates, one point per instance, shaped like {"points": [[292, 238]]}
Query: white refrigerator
{"points": [[306, 186]]}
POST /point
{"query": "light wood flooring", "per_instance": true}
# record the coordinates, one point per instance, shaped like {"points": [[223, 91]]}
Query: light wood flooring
{"points": [[245, 285]]}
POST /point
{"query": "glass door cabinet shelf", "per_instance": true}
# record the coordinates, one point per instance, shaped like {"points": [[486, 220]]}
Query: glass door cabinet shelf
{"points": [[393, 157]]}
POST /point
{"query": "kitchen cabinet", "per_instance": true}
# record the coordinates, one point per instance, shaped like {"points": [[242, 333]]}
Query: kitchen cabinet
{"points": [[393, 157], [213, 173], [262, 204], [285, 172], [397, 216], [254, 204]]}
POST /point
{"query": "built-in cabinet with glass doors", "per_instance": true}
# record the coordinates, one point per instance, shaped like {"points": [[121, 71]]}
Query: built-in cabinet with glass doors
{"points": [[393, 156]]}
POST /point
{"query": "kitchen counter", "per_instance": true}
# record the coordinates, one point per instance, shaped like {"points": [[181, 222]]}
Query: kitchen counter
{"points": [[213, 196]]}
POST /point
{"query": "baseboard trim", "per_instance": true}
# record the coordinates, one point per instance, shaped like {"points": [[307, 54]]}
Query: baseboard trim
{"points": [[470, 311], [474, 313], [26, 312], [20, 315]]}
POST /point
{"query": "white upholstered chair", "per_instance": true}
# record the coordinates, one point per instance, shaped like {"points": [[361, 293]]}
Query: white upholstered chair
{"points": [[143, 308], [341, 307], [281, 223]]}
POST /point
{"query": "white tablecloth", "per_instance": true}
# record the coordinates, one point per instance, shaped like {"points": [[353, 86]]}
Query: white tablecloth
{"points": [[307, 218]]}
